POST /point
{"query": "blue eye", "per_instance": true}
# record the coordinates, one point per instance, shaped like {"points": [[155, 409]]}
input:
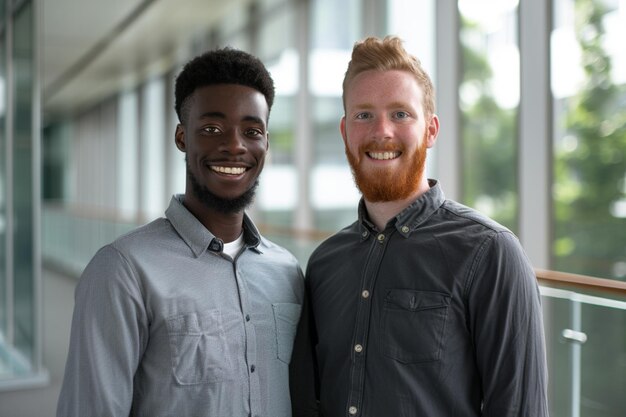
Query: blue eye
{"points": [[362, 116], [402, 115]]}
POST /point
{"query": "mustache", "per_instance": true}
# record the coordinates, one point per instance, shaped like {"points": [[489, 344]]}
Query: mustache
{"points": [[377, 146]]}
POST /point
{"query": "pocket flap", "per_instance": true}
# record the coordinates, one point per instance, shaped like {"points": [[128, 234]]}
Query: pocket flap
{"points": [[194, 323], [414, 300]]}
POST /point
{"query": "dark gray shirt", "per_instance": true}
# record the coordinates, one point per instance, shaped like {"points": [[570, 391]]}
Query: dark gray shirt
{"points": [[165, 324], [437, 315]]}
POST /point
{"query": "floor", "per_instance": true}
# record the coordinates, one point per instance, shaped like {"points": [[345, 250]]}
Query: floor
{"points": [[58, 303]]}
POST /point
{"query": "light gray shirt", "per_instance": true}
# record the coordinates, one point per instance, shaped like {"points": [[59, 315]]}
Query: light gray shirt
{"points": [[166, 324]]}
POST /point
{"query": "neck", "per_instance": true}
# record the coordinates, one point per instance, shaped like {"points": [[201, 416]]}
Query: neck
{"points": [[225, 226], [382, 211]]}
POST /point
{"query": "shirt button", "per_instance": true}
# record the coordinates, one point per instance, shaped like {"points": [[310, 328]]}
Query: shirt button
{"points": [[358, 348], [381, 237], [405, 229], [247, 317], [352, 410], [365, 294], [364, 234], [252, 368]]}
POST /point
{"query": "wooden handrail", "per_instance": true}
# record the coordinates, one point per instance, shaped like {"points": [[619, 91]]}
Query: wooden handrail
{"points": [[554, 278]]}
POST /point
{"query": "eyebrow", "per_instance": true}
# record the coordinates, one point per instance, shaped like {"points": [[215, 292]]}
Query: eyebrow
{"points": [[254, 119], [395, 104], [215, 114], [220, 115], [363, 106]]}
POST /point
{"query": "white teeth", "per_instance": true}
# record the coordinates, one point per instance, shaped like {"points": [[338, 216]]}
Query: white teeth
{"points": [[229, 170], [384, 155]]}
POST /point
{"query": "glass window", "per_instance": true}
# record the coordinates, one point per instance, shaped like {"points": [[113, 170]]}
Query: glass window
{"points": [[589, 89], [588, 83], [232, 29], [152, 154], [3, 178], [176, 169], [278, 50], [23, 232], [419, 39], [334, 29], [489, 100], [55, 155], [269, 5], [127, 155]]}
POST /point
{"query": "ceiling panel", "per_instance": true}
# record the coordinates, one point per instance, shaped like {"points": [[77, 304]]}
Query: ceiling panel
{"points": [[88, 52]]}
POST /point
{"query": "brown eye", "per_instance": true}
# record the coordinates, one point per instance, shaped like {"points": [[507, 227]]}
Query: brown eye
{"points": [[212, 129], [254, 132]]}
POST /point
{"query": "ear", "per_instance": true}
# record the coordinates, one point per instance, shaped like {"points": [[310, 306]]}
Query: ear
{"points": [[342, 129], [267, 141], [433, 130], [179, 137]]}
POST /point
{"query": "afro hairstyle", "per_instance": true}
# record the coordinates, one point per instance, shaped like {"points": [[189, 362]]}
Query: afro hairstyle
{"points": [[222, 66]]}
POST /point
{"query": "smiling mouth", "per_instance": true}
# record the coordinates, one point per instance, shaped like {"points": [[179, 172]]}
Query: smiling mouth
{"points": [[229, 170], [383, 156]]}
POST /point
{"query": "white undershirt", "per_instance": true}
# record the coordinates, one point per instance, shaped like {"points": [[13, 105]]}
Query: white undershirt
{"points": [[232, 248]]}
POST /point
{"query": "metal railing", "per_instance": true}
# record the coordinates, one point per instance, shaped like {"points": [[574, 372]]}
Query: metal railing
{"points": [[584, 319]]}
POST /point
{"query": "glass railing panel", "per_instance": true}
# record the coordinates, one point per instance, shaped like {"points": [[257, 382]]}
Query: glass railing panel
{"points": [[69, 241], [586, 352], [556, 314]]}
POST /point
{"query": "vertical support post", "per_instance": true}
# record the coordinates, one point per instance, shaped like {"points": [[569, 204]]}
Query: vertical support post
{"points": [[535, 179], [576, 349], [10, 212], [36, 192], [303, 216], [448, 148]]}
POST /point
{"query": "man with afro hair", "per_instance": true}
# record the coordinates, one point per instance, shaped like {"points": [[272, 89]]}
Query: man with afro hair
{"points": [[193, 314]]}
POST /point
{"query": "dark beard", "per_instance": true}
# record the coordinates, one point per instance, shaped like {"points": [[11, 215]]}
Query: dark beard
{"points": [[222, 205]]}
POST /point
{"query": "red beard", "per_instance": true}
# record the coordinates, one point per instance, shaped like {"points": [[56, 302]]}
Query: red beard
{"points": [[384, 184]]}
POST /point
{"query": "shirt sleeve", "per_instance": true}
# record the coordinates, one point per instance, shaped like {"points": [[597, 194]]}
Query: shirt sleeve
{"points": [[108, 335], [507, 330], [303, 378]]}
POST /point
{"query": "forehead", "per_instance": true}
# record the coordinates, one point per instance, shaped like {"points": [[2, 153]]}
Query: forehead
{"points": [[229, 99], [378, 87]]}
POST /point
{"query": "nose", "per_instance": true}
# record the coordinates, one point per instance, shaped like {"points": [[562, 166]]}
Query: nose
{"points": [[382, 128], [233, 142]]}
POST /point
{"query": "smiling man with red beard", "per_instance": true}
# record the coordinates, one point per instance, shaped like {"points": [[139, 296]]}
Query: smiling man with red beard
{"points": [[422, 307], [193, 314]]}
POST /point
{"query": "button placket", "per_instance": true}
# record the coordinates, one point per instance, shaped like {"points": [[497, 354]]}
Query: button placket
{"points": [[361, 329]]}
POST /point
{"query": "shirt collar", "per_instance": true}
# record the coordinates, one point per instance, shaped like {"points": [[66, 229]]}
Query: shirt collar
{"points": [[198, 237], [412, 216]]}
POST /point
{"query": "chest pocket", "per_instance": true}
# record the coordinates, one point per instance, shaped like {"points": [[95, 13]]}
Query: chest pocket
{"points": [[286, 316], [198, 348], [413, 325]]}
